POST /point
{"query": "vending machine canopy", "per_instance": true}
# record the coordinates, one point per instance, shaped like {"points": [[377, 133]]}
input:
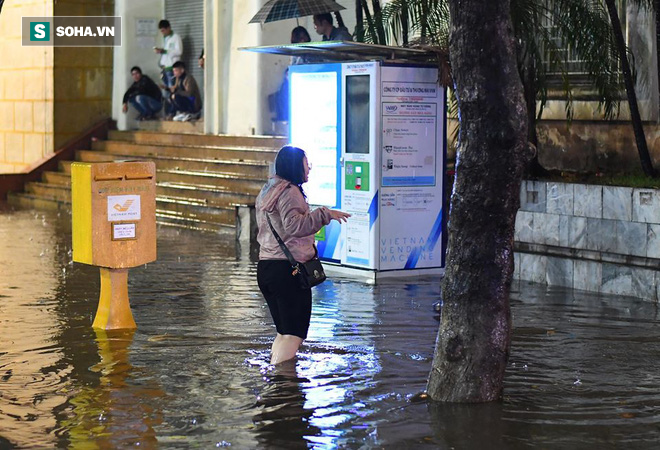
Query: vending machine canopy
{"points": [[347, 51]]}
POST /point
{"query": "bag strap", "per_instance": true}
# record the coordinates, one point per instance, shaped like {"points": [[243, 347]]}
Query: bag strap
{"points": [[283, 246]]}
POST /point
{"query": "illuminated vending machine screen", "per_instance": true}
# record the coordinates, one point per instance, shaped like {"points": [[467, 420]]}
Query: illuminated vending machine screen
{"points": [[314, 129]]}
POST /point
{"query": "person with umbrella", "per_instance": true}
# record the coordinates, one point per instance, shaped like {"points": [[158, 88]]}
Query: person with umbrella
{"points": [[324, 26], [275, 10]]}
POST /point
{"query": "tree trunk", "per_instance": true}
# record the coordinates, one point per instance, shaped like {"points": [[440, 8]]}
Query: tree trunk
{"points": [[405, 28], [636, 119], [656, 6], [378, 18], [528, 77], [472, 347], [340, 20], [359, 22], [370, 22]]}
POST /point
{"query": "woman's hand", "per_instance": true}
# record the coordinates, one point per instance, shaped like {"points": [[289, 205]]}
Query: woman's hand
{"points": [[339, 216]]}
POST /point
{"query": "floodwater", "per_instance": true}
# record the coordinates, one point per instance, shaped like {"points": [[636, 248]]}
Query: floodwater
{"points": [[584, 369]]}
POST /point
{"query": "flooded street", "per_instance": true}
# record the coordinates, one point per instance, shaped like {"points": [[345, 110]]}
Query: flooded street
{"points": [[584, 370]]}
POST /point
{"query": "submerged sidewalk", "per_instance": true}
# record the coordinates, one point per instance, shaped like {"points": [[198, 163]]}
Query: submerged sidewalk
{"points": [[582, 370]]}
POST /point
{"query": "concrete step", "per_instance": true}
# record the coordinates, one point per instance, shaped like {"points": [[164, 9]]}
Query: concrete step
{"points": [[211, 180], [238, 169], [169, 211], [196, 210], [172, 219], [217, 189], [198, 140], [57, 178], [201, 196], [200, 178], [170, 126], [225, 153], [57, 192], [65, 167], [211, 196], [31, 201]]}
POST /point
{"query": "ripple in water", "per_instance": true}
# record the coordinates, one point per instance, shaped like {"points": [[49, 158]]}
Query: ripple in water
{"points": [[582, 372]]}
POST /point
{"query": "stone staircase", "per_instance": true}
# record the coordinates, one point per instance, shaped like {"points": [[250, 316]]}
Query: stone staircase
{"points": [[200, 179]]}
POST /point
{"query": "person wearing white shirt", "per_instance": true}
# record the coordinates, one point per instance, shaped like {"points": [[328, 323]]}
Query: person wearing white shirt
{"points": [[170, 52]]}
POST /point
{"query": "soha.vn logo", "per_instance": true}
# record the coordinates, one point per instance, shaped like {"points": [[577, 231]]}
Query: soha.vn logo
{"points": [[40, 31]]}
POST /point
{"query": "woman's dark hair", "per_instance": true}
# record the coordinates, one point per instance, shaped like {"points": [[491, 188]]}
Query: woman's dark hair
{"points": [[300, 34], [289, 165]]}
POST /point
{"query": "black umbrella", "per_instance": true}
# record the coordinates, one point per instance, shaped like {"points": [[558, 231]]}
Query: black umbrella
{"points": [[291, 9]]}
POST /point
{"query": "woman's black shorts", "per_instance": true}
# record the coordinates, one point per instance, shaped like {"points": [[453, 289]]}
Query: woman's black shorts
{"points": [[290, 306]]}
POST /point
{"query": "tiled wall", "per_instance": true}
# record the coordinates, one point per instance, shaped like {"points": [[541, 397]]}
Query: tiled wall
{"points": [[595, 238], [82, 76], [48, 95], [26, 90]]}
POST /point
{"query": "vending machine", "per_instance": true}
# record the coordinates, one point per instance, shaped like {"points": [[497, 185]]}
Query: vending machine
{"points": [[374, 133]]}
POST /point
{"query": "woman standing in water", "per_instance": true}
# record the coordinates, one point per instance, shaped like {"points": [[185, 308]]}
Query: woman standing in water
{"points": [[283, 200]]}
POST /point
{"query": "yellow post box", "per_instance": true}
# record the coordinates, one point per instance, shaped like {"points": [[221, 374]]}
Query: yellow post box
{"points": [[114, 227]]}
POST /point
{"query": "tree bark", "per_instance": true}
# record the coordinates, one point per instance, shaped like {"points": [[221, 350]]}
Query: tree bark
{"points": [[473, 342], [636, 119], [405, 28], [528, 77], [370, 21], [378, 18], [340, 20], [656, 7], [359, 22]]}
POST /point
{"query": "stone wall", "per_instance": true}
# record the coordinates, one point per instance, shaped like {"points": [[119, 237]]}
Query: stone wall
{"points": [[595, 238], [585, 146], [591, 146]]}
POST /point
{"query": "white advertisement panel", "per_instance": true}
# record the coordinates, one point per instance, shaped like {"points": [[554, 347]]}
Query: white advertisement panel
{"points": [[411, 164], [409, 144]]}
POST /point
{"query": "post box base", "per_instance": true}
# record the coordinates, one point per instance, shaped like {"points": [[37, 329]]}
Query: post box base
{"points": [[114, 311]]}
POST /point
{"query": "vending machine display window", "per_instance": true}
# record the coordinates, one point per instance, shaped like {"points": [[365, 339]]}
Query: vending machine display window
{"points": [[357, 114]]}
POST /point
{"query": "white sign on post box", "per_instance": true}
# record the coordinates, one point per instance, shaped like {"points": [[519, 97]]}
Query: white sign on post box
{"points": [[123, 207]]}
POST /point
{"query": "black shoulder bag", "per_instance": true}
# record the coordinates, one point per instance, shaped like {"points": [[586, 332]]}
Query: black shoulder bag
{"points": [[309, 273]]}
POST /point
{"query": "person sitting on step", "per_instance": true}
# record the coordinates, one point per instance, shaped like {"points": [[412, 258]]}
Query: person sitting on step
{"points": [[144, 95], [184, 98]]}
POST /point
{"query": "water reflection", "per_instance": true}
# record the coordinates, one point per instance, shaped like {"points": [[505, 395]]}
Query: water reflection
{"points": [[583, 372], [117, 412], [32, 377], [283, 419]]}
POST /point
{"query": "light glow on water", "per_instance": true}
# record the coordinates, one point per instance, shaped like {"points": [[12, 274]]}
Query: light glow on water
{"points": [[582, 372]]}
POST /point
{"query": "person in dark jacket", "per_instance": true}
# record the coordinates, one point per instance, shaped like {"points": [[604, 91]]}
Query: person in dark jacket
{"points": [[144, 95], [323, 25], [184, 97]]}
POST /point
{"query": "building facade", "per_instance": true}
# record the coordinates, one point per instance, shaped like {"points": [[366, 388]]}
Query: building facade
{"points": [[48, 95]]}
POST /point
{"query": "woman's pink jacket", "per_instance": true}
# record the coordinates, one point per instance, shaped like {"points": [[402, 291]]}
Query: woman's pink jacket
{"points": [[292, 218]]}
